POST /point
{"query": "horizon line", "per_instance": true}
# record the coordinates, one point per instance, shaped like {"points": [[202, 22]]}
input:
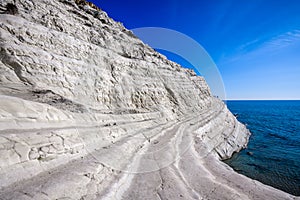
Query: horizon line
{"points": [[261, 100]]}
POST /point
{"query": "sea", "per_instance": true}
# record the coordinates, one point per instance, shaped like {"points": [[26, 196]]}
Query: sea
{"points": [[273, 153]]}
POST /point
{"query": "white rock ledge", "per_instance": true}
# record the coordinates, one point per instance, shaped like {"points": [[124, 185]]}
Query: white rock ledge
{"points": [[87, 111]]}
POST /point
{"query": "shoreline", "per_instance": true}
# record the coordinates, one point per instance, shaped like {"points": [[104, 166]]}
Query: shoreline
{"points": [[271, 156], [184, 163]]}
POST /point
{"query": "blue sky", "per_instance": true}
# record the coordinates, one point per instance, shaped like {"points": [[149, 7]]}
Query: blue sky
{"points": [[254, 43]]}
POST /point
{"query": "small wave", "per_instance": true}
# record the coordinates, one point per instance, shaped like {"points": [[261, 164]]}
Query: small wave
{"points": [[278, 136], [258, 167]]}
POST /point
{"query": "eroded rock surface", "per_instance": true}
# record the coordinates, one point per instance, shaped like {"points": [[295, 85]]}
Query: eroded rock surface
{"points": [[88, 111]]}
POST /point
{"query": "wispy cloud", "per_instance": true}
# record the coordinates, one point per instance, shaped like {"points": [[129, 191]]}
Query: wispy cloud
{"points": [[282, 41], [248, 45], [258, 47]]}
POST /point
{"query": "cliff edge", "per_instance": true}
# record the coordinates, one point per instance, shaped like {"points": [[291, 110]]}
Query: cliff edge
{"points": [[88, 111]]}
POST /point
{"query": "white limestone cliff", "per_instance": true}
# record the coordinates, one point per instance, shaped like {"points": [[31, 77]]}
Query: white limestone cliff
{"points": [[88, 111]]}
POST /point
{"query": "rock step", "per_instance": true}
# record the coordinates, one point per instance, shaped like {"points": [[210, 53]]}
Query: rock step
{"points": [[83, 170]]}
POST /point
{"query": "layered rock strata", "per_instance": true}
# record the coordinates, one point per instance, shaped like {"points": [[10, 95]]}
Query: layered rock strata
{"points": [[88, 111]]}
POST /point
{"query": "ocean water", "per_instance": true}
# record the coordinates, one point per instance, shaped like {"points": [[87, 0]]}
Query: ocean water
{"points": [[273, 153]]}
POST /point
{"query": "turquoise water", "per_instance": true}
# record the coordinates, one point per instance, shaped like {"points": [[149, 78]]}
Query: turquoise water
{"points": [[273, 153]]}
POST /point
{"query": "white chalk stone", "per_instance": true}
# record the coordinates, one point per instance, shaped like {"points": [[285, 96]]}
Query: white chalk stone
{"points": [[88, 111]]}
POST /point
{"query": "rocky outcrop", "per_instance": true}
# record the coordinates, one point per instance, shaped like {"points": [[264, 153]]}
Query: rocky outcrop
{"points": [[88, 111]]}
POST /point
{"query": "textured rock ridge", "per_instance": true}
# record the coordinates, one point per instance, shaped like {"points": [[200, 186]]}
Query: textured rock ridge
{"points": [[88, 111]]}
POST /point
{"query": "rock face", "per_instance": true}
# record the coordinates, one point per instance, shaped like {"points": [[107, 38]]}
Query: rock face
{"points": [[87, 111]]}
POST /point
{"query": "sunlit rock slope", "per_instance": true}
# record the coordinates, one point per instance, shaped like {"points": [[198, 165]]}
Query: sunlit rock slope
{"points": [[88, 111]]}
